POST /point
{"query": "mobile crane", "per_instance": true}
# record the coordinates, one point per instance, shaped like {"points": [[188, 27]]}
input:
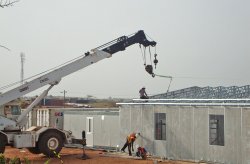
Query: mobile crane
{"points": [[48, 140]]}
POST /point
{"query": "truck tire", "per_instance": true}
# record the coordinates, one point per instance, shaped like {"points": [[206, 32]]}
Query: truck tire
{"points": [[34, 150], [50, 143], [2, 143]]}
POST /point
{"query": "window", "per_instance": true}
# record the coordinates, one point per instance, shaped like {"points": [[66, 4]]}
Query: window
{"points": [[89, 125], [160, 126], [216, 130], [15, 110]]}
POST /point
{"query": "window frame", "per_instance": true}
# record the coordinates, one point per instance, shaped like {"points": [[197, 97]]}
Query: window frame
{"points": [[216, 130], [160, 125]]}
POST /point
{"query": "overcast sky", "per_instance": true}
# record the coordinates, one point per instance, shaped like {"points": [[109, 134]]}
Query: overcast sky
{"points": [[199, 43]]}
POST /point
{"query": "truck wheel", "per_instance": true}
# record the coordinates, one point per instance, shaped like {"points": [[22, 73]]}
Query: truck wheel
{"points": [[2, 143], [50, 143], [34, 150]]}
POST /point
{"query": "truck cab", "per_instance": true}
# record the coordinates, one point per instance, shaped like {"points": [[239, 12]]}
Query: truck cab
{"points": [[10, 110]]}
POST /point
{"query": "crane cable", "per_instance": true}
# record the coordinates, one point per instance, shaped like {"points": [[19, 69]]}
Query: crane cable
{"points": [[145, 56], [150, 55], [143, 53]]}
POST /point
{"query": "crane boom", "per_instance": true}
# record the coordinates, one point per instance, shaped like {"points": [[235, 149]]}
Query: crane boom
{"points": [[96, 55], [50, 140]]}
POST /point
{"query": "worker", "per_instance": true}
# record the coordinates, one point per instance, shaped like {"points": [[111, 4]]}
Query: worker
{"points": [[130, 142], [143, 94]]}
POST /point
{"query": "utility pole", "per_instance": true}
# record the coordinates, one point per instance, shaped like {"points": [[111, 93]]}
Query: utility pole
{"points": [[64, 93]]}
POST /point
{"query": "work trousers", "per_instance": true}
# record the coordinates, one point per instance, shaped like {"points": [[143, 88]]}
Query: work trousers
{"points": [[129, 147]]}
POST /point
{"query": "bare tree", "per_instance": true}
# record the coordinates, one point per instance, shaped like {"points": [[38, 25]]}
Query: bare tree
{"points": [[7, 3], [1, 46]]}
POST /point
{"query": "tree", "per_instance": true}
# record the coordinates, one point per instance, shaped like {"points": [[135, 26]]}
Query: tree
{"points": [[7, 3], [90, 97], [1, 46]]}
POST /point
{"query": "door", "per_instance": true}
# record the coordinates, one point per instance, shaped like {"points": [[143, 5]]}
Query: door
{"points": [[89, 131]]}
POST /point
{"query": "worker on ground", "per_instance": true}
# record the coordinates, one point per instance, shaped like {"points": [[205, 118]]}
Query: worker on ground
{"points": [[143, 94], [130, 142]]}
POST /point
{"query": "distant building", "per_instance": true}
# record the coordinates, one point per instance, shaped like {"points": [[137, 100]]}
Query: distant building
{"points": [[69, 102]]}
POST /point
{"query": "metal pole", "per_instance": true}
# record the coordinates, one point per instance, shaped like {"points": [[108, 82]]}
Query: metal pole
{"points": [[63, 98], [64, 93]]}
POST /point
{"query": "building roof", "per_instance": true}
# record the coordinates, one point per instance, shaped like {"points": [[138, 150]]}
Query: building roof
{"points": [[220, 92]]}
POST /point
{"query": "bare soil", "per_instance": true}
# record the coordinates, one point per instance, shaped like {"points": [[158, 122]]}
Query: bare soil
{"points": [[73, 155]]}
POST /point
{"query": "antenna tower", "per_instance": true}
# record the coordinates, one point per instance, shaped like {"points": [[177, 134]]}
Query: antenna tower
{"points": [[22, 55]]}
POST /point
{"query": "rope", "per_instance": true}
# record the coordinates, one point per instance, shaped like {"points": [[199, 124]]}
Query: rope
{"points": [[170, 77], [169, 84]]}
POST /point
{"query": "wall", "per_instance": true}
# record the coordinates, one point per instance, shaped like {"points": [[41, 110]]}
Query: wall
{"points": [[187, 132]]}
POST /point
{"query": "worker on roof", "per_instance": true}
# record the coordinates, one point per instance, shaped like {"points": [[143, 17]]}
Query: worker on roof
{"points": [[130, 142], [143, 94]]}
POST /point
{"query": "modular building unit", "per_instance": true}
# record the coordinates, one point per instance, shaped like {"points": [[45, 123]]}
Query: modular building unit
{"points": [[216, 133], [101, 126]]}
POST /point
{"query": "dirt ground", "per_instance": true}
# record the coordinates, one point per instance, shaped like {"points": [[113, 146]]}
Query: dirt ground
{"points": [[73, 155]]}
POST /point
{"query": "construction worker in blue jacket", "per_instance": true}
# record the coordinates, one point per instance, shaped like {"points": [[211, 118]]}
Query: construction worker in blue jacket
{"points": [[130, 142]]}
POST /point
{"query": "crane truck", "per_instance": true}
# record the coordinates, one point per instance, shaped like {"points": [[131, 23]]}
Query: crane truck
{"points": [[49, 140]]}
